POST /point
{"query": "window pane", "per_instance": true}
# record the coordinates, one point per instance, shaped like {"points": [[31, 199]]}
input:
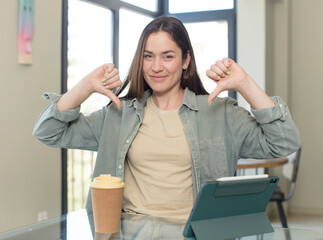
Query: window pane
{"points": [[89, 45], [150, 5], [210, 43], [181, 6], [131, 26]]}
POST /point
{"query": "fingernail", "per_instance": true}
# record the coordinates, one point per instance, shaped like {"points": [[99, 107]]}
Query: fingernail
{"points": [[104, 79], [104, 83], [219, 77], [106, 87], [223, 75], [210, 103], [229, 69], [106, 74], [228, 73]]}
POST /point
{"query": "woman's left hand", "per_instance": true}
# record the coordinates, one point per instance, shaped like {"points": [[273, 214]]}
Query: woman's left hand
{"points": [[228, 75]]}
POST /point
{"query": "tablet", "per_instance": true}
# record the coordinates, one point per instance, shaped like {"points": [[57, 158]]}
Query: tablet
{"points": [[231, 207]]}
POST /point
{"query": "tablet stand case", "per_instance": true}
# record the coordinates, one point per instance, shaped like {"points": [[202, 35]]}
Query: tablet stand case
{"points": [[231, 209]]}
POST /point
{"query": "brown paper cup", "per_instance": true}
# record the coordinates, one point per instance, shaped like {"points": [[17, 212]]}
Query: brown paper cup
{"points": [[107, 204]]}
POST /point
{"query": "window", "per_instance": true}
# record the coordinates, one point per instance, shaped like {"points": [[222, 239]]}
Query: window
{"points": [[151, 5], [97, 32], [181, 6], [210, 48], [129, 30], [88, 48], [212, 26]]}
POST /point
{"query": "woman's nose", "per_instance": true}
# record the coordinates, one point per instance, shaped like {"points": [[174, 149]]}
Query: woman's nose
{"points": [[157, 65]]}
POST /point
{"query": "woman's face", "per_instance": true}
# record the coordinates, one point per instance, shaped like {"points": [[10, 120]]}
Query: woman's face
{"points": [[163, 63]]}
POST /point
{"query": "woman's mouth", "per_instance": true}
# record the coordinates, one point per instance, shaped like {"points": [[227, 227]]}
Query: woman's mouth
{"points": [[158, 78]]}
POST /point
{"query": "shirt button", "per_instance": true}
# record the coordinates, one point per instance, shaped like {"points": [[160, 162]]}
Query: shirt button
{"points": [[120, 167], [127, 141]]}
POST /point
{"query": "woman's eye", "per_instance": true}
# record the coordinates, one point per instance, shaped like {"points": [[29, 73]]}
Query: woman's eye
{"points": [[168, 57], [147, 56]]}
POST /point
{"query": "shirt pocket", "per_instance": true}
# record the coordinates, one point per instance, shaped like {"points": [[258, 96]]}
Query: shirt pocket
{"points": [[213, 159]]}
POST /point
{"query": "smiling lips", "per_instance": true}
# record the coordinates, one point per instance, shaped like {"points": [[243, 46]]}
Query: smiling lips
{"points": [[157, 78]]}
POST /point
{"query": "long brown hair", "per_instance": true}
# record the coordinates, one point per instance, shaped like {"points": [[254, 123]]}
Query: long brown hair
{"points": [[179, 35]]}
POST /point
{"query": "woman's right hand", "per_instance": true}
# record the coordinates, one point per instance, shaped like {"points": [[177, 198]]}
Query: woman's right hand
{"points": [[103, 80]]}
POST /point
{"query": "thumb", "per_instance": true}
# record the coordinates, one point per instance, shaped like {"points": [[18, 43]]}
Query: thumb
{"points": [[114, 99], [228, 62], [214, 94]]}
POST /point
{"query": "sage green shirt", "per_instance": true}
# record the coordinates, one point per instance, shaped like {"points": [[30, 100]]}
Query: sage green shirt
{"points": [[218, 135]]}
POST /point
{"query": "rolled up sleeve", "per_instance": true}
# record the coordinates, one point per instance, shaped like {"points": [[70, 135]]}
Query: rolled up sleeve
{"points": [[268, 115], [66, 129], [270, 133]]}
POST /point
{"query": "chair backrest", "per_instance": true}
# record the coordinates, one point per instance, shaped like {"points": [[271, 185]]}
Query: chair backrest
{"points": [[290, 170]]}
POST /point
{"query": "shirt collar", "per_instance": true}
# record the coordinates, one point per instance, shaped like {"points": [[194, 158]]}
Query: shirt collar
{"points": [[189, 100], [140, 102]]}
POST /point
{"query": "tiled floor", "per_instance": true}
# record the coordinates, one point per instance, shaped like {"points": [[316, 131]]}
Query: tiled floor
{"points": [[301, 221]]}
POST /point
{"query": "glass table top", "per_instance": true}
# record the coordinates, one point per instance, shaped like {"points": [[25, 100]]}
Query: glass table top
{"points": [[76, 225]]}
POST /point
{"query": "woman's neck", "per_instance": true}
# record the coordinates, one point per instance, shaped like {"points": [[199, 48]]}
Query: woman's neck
{"points": [[169, 101]]}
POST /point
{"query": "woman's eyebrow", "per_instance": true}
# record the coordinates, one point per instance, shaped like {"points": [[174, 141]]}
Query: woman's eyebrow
{"points": [[165, 52], [169, 51]]}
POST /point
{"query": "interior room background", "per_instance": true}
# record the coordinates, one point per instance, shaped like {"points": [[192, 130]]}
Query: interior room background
{"points": [[279, 43]]}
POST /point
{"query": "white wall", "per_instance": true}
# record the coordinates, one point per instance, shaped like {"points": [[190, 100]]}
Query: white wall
{"points": [[30, 173], [292, 54], [306, 89], [297, 51], [251, 41]]}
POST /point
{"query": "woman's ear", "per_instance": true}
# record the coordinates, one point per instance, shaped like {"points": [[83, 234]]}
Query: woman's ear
{"points": [[187, 60]]}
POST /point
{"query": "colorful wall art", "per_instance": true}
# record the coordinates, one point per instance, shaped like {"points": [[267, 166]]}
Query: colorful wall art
{"points": [[26, 31]]}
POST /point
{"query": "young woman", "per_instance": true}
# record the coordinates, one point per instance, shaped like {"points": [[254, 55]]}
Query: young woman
{"points": [[167, 135]]}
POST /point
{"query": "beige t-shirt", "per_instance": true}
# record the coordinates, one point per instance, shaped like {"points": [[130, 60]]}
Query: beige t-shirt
{"points": [[158, 174]]}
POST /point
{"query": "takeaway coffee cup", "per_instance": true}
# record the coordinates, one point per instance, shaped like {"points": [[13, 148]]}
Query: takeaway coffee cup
{"points": [[107, 195]]}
